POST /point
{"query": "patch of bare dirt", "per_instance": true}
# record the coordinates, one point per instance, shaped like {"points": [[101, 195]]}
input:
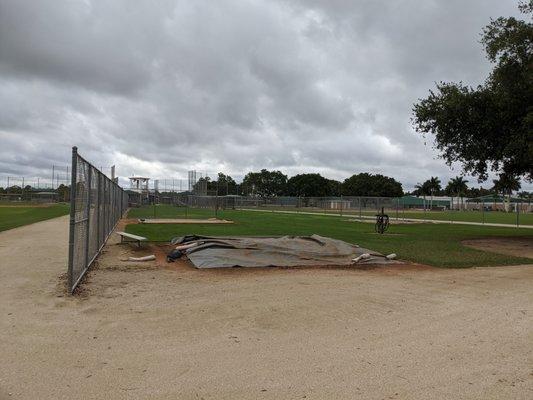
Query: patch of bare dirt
{"points": [[141, 330], [512, 246]]}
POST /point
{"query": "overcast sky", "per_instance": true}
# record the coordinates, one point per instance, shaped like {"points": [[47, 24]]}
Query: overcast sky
{"points": [[161, 87]]}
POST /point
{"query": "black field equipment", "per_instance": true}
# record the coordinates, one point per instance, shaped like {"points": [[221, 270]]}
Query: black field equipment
{"points": [[382, 222]]}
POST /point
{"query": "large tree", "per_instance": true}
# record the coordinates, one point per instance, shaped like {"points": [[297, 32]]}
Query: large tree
{"points": [[307, 185], [366, 184], [489, 127], [312, 185], [225, 185], [264, 183], [334, 187]]}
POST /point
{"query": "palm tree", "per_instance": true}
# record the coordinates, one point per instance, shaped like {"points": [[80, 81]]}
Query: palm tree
{"points": [[457, 186], [505, 185], [419, 189], [433, 184], [422, 189], [524, 194]]}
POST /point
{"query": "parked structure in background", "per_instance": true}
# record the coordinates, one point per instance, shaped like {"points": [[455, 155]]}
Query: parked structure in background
{"points": [[494, 202], [139, 191], [139, 184]]}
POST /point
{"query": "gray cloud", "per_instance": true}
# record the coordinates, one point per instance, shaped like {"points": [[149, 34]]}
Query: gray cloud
{"points": [[162, 87]]}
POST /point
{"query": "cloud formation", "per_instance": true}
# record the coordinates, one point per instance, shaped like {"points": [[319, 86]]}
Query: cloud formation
{"points": [[159, 88]]}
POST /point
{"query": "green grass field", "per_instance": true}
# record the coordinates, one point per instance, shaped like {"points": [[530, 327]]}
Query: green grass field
{"points": [[15, 216], [466, 216], [437, 245]]}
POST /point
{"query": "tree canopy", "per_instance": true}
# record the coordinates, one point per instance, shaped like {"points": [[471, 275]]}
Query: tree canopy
{"points": [[225, 185], [506, 184], [456, 186], [264, 183], [430, 187], [312, 185], [489, 127], [366, 184]]}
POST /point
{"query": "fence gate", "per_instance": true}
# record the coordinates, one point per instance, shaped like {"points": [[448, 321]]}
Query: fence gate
{"points": [[96, 205]]}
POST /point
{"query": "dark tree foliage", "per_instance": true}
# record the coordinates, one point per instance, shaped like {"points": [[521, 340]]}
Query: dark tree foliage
{"points": [[456, 187], [334, 187], [224, 185], [489, 127], [366, 184], [506, 184], [63, 192], [312, 185], [264, 183], [478, 192], [430, 187]]}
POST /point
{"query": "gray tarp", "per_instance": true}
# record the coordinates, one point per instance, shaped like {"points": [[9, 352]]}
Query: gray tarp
{"points": [[284, 251]]}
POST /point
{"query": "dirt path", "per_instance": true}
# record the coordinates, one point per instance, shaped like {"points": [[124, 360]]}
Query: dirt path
{"points": [[140, 332]]}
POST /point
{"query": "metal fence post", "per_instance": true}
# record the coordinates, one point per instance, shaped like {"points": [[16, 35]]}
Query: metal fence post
{"points": [[73, 177], [98, 176], [88, 227]]}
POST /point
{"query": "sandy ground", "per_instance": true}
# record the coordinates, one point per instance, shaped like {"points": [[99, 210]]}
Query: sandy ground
{"points": [[513, 246], [143, 331]]}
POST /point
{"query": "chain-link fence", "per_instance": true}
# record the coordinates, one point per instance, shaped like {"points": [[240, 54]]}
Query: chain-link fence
{"points": [[489, 210], [54, 188], [96, 205]]}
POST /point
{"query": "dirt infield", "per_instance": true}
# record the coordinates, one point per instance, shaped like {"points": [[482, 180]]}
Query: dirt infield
{"points": [[140, 331]]}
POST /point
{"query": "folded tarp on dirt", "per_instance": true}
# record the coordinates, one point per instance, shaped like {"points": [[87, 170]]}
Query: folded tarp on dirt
{"points": [[284, 251]]}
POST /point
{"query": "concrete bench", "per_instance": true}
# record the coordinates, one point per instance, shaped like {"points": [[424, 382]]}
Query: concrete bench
{"points": [[129, 237]]}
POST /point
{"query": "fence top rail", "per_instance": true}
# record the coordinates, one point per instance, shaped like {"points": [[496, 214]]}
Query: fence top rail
{"points": [[75, 149]]}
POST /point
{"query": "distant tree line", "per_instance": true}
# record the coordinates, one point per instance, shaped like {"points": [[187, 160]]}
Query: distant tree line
{"points": [[457, 187], [274, 183], [62, 191]]}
